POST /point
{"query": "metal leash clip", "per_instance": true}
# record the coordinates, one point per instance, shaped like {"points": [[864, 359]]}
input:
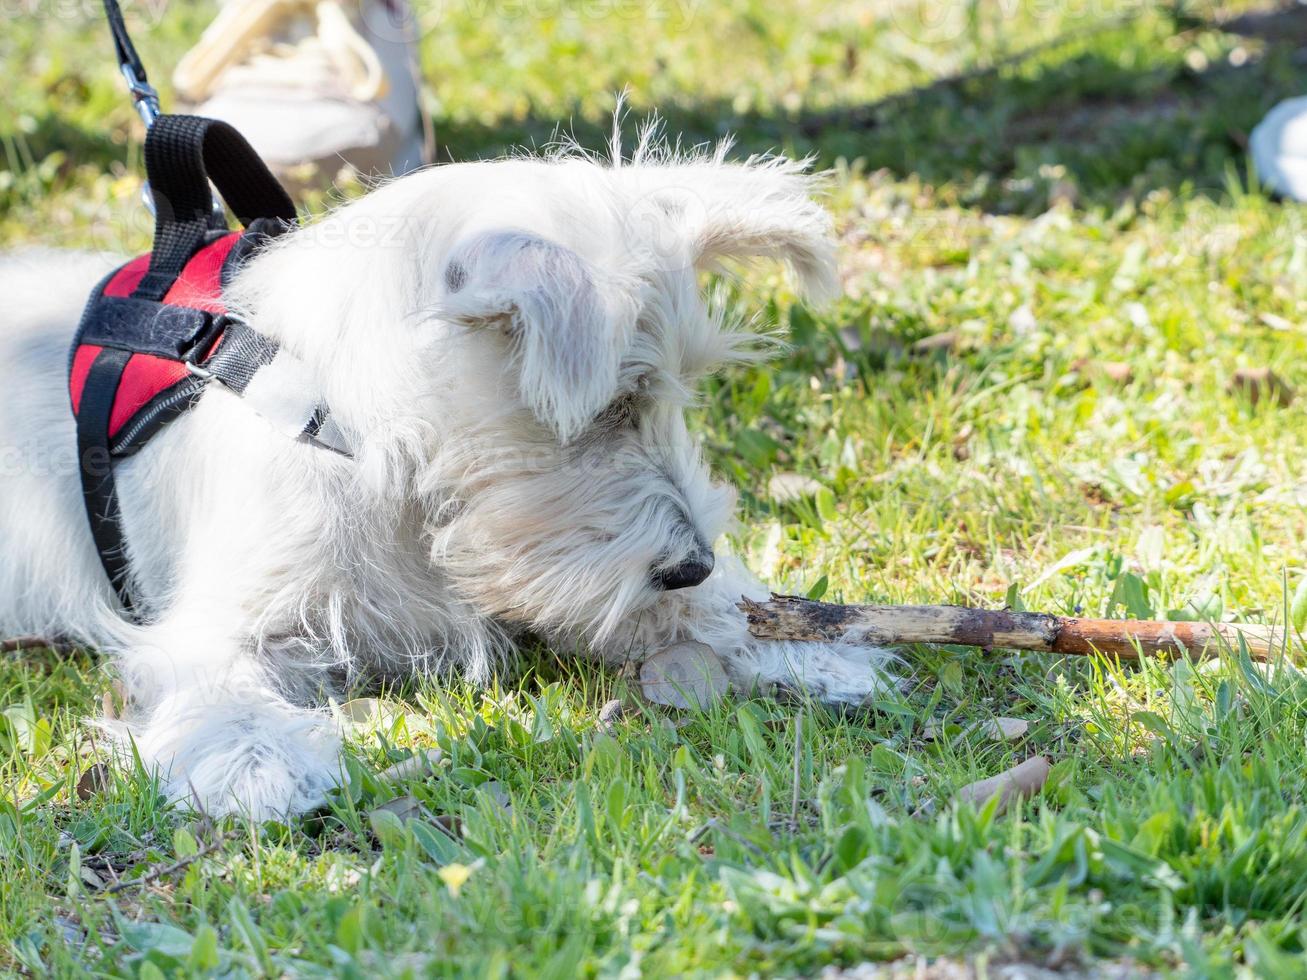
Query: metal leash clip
{"points": [[144, 96], [146, 102]]}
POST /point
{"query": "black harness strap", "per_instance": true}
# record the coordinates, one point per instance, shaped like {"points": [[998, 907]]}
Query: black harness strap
{"points": [[182, 153], [96, 465], [242, 353]]}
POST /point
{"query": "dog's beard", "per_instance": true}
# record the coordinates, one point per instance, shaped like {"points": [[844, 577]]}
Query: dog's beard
{"points": [[566, 543]]}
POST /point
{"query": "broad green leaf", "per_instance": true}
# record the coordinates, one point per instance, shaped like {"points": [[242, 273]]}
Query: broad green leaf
{"points": [[183, 844]]}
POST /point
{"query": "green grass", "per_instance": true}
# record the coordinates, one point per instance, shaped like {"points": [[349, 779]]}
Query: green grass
{"points": [[1082, 210]]}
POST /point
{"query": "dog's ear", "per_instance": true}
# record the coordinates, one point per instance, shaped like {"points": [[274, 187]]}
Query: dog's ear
{"points": [[566, 324], [758, 208]]}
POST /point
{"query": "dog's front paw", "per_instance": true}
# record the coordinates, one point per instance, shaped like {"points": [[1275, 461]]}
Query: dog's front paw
{"points": [[261, 762], [837, 673]]}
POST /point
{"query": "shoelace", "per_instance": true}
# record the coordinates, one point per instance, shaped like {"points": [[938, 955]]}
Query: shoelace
{"points": [[241, 38]]}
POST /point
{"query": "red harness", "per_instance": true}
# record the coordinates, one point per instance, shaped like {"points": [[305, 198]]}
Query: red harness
{"points": [[155, 332], [152, 386]]}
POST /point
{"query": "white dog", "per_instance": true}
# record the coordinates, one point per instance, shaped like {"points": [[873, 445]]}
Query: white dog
{"points": [[509, 349]]}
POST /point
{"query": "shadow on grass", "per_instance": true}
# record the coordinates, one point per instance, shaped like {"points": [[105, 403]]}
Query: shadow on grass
{"points": [[80, 144], [1096, 127]]}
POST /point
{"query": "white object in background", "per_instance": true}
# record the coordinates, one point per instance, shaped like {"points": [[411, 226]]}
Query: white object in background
{"points": [[311, 82], [1279, 149]]}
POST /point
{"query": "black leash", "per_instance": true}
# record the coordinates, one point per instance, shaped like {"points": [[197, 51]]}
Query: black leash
{"points": [[144, 96]]}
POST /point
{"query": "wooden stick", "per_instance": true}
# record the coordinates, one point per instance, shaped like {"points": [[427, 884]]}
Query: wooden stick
{"points": [[162, 871], [793, 618]]}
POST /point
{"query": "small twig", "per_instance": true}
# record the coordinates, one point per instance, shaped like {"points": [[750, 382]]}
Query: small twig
{"points": [[798, 758], [54, 644], [714, 824], [181, 864]]}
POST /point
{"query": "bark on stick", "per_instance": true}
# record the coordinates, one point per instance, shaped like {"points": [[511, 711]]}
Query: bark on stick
{"points": [[793, 618]]}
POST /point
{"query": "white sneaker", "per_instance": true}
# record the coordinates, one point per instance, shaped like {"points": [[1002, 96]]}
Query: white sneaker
{"points": [[312, 85], [1279, 149]]}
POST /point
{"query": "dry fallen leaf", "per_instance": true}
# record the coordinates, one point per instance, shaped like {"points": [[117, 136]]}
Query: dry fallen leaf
{"points": [[449, 825], [1018, 782], [609, 714], [93, 782], [945, 342], [405, 807], [962, 443], [1118, 371], [1259, 383], [785, 488], [418, 764], [994, 729], [1005, 729], [684, 674]]}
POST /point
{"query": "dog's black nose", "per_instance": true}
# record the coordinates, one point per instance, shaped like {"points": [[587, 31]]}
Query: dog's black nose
{"points": [[687, 574]]}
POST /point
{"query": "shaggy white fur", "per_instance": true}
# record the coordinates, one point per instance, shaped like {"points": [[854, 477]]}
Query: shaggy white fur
{"points": [[510, 348]]}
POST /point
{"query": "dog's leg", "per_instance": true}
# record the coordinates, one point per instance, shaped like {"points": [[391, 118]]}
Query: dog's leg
{"points": [[837, 673], [225, 518], [205, 715]]}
